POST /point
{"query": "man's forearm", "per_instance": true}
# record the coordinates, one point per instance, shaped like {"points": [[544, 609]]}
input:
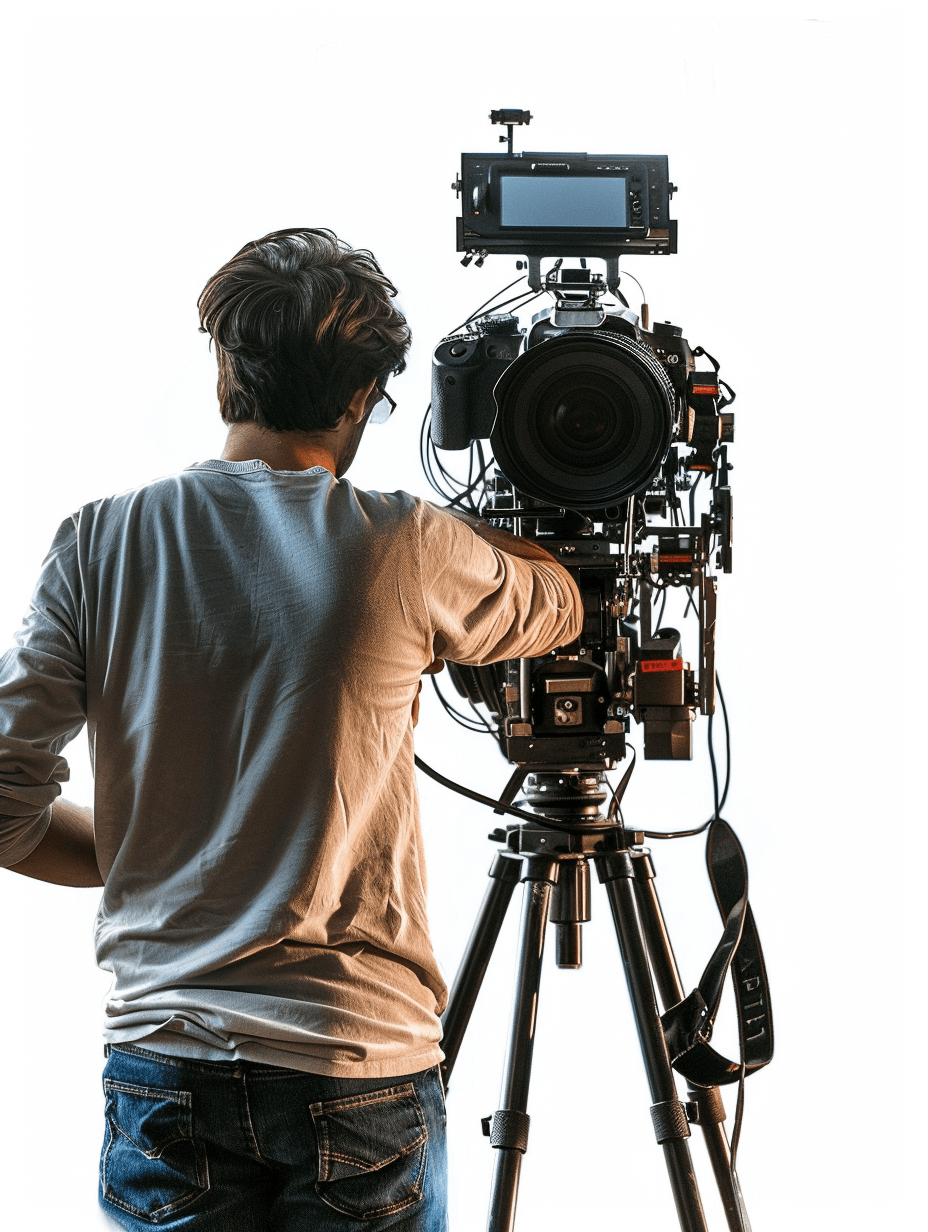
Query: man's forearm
{"points": [[66, 854], [527, 549]]}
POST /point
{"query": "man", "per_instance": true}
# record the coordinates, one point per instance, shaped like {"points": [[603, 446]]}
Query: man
{"points": [[245, 642]]}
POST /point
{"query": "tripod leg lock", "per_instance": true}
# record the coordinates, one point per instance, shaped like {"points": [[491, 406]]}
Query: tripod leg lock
{"points": [[705, 1107], [507, 1129], [669, 1120]]}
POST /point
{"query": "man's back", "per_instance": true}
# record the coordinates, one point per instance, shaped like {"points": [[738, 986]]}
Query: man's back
{"points": [[252, 641], [245, 642]]}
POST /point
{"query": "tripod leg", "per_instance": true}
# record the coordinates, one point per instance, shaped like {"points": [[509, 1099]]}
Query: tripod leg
{"points": [[707, 1100], [509, 1131], [667, 1113], [504, 877]]}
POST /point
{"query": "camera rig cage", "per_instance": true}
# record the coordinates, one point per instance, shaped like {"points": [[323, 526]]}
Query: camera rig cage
{"points": [[602, 430]]}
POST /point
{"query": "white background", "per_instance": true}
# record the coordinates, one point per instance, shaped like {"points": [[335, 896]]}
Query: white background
{"points": [[145, 143]]}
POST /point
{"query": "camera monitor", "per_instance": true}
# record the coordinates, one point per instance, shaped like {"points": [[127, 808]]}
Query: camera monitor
{"points": [[578, 205]]}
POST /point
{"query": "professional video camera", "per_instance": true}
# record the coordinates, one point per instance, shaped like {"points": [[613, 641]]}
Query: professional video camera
{"points": [[605, 435], [599, 426]]}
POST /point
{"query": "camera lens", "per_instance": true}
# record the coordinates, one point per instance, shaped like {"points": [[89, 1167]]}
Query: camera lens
{"points": [[584, 419]]}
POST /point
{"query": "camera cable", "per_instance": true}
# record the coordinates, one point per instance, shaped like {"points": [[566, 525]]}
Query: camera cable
{"points": [[487, 303], [552, 823], [481, 724]]}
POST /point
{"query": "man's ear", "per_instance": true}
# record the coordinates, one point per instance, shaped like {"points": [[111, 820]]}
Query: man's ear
{"points": [[359, 400]]}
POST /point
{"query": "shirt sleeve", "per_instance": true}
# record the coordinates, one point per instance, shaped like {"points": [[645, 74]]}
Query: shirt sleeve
{"points": [[42, 702], [485, 605]]}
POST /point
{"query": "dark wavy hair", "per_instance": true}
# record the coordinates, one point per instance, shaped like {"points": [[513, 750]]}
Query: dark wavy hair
{"points": [[301, 321]]}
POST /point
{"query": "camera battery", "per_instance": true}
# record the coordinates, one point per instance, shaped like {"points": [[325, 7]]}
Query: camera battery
{"points": [[660, 682]]}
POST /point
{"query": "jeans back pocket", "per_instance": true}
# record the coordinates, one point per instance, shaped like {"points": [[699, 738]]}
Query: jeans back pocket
{"points": [[151, 1166], [372, 1151]]}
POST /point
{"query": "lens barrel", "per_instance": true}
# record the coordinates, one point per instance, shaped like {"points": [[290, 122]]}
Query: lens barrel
{"points": [[585, 419]]}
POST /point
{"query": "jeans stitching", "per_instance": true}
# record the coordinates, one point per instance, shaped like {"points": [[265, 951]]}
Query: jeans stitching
{"points": [[381, 1211], [365, 1164], [247, 1123], [184, 1100], [322, 1147], [134, 1088], [327, 1156], [383, 1095]]}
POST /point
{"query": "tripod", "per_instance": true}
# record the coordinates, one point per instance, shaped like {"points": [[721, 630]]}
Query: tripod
{"points": [[554, 866]]}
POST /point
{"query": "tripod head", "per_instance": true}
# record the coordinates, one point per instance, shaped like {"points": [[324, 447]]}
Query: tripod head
{"points": [[576, 801]]}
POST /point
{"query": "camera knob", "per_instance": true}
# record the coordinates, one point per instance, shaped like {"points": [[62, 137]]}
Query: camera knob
{"points": [[458, 349]]}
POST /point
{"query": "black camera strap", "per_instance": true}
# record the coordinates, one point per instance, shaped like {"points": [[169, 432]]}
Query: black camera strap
{"points": [[688, 1025]]}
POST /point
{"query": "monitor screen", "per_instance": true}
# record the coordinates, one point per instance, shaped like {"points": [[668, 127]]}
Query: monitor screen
{"points": [[562, 201]]}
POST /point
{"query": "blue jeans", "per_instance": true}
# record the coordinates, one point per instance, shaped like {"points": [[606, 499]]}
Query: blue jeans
{"points": [[238, 1147]]}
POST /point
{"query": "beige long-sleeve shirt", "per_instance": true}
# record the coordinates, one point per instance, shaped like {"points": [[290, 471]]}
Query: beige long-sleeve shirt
{"points": [[244, 645]]}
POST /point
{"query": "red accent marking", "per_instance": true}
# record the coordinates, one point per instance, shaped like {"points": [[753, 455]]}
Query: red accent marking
{"points": [[666, 559], [710, 390], [661, 665]]}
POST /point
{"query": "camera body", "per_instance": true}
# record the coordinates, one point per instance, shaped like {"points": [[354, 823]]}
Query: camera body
{"points": [[469, 387], [465, 369]]}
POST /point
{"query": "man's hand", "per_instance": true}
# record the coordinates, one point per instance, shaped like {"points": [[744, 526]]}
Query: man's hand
{"points": [[436, 666], [66, 854]]}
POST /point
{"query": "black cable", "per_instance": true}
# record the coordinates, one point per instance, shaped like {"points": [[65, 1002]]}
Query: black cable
{"points": [[435, 471], [718, 689], [477, 311], [520, 300], [494, 731], [462, 719], [723, 402], [626, 274], [678, 833], [485, 724], [718, 801], [467, 493], [715, 772], [466, 497], [739, 1117], [485, 463], [523, 297], [660, 615], [498, 807], [615, 804]]}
